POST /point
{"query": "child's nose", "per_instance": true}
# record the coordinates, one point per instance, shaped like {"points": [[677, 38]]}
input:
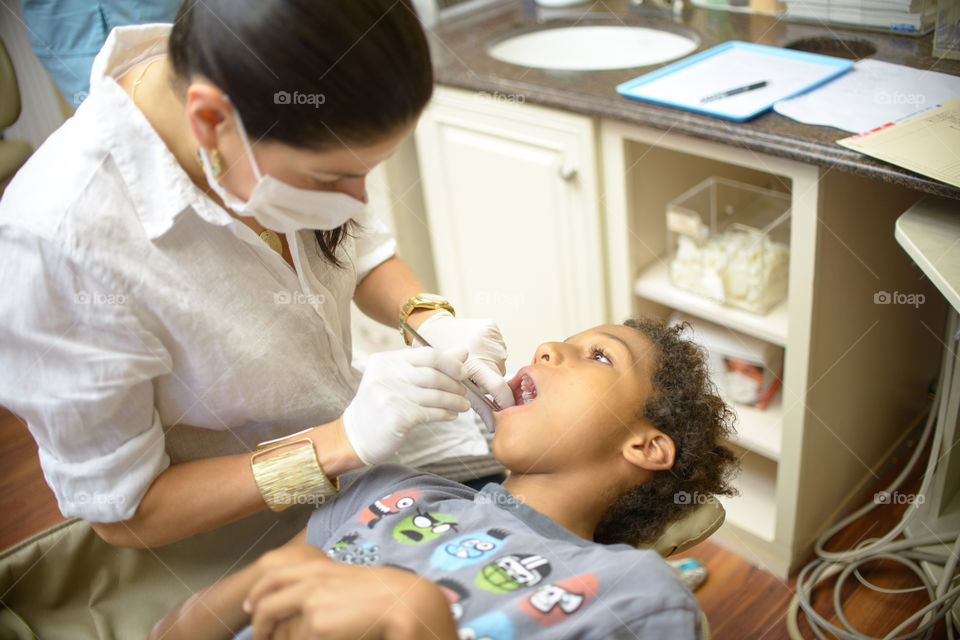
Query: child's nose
{"points": [[549, 353]]}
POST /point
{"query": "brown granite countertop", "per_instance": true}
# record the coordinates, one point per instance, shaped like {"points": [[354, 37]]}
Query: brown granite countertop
{"points": [[458, 47]]}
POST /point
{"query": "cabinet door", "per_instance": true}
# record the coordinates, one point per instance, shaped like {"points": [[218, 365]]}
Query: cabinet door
{"points": [[511, 195]]}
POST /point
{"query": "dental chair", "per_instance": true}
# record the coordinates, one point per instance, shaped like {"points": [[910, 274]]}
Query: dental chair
{"points": [[66, 583], [13, 153]]}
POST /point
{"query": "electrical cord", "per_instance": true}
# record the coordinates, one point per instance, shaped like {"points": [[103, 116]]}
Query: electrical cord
{"points": [[943, 594]]}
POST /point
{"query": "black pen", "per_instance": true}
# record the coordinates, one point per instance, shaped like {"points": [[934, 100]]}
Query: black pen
{"points": [[733, 92]]}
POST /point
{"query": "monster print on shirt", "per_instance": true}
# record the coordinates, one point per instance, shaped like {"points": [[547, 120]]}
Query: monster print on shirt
{"points": [[424, 527], [388, 505], [553, 603], [468, 549], [344, 550], [511, 572], [455, 593]]}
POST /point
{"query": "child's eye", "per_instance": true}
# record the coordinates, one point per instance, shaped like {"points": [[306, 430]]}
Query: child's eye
{"points": [[598, 354]]}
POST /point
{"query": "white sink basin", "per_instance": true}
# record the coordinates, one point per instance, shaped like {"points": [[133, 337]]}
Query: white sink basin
{"points": [[592, 47]]}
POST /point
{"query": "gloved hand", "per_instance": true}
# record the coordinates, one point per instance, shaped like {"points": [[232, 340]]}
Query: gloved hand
{"points": [[401, 389], [485, 361]]}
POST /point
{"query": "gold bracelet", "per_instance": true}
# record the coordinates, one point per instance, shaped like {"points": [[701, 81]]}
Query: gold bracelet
{"points": [[291, 477], [421, 301]]}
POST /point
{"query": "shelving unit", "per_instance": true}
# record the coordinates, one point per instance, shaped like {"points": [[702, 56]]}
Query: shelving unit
{"points": [[817, 447], [754, 509], [653, 283]]}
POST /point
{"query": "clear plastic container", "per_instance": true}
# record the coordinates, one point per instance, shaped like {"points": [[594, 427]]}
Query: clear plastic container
{"points": [[946, 41], [730, 242]]}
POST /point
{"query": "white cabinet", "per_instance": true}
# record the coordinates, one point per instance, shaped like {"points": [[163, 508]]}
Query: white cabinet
{"points": [[511, 193]]}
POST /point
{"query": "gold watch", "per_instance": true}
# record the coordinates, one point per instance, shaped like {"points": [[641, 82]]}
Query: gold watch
{"points": [[422, 301]]}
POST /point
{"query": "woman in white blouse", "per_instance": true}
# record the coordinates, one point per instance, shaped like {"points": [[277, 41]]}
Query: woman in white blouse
{"points": [[180, 257]]}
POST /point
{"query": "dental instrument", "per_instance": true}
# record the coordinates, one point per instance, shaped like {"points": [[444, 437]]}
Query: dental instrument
{"points": [[467, 382]]}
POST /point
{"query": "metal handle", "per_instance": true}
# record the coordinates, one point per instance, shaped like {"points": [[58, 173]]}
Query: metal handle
{"points": [[567, 172]]}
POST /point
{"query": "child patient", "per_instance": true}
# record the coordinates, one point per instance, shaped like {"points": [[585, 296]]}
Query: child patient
{"points": [[609, 427]]}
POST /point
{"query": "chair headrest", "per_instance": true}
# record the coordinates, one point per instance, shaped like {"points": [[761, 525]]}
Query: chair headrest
{"points": [[9, 90], [696, 526]]}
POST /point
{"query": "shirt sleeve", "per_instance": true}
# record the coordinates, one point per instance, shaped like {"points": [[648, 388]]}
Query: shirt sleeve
{"points": [[375, 244], [79, 368]]}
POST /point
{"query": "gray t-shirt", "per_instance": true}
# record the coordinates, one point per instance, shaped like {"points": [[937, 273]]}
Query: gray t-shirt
{"points": [[507, 570]]}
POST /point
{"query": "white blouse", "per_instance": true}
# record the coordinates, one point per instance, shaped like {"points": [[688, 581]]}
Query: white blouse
{"points": [[134, 306]]}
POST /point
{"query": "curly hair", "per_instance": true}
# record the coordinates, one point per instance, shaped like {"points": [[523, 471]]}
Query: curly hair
{"points": [[685, 406]]}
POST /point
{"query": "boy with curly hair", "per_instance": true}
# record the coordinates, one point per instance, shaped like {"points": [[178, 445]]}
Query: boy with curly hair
{"points": [[609, 427]]}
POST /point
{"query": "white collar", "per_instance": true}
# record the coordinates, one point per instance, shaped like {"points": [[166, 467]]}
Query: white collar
{"points": [[159, 187]]}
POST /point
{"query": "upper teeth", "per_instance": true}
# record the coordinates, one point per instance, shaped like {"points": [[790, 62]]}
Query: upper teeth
{"points": [[529, 391]]}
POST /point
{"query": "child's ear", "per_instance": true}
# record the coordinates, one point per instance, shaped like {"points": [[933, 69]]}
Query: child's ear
{"points": [[652, 450]]}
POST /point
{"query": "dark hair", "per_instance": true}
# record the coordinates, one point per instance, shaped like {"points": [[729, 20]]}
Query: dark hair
{"points": [[685, 406], [363, 67]]}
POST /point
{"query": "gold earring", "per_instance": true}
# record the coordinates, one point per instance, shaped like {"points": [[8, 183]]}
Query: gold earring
{"points": [[216, 163]]}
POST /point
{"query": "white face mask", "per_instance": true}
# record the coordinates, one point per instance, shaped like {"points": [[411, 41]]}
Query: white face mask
{"points": [[278, 206]]}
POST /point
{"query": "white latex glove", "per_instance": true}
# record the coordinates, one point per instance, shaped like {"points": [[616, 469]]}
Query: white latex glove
{"points": [[485, 361], [401, 389]]}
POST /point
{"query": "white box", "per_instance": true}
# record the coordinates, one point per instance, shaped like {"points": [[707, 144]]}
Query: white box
{"points": [[745, 369]]}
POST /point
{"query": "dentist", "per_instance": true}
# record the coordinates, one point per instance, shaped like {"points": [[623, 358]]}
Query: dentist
{"points": [[179, 260]]}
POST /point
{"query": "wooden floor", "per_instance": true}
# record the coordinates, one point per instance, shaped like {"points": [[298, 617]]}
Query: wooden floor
{"points": [[740, 600]]}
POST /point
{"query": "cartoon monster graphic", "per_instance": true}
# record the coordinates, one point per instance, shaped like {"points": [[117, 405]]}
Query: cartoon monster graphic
{"points": [[424, 527], [468, 549], [388, 505], [492, 626], [510, 572], [455, 593], [554, 603], [344, 550]]}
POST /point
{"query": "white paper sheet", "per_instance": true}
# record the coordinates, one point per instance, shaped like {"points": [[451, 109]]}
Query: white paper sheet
{"points": [[870, 95]]}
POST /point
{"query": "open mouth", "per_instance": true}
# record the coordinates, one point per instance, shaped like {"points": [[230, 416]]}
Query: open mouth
{"points": [[523, 387]]}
